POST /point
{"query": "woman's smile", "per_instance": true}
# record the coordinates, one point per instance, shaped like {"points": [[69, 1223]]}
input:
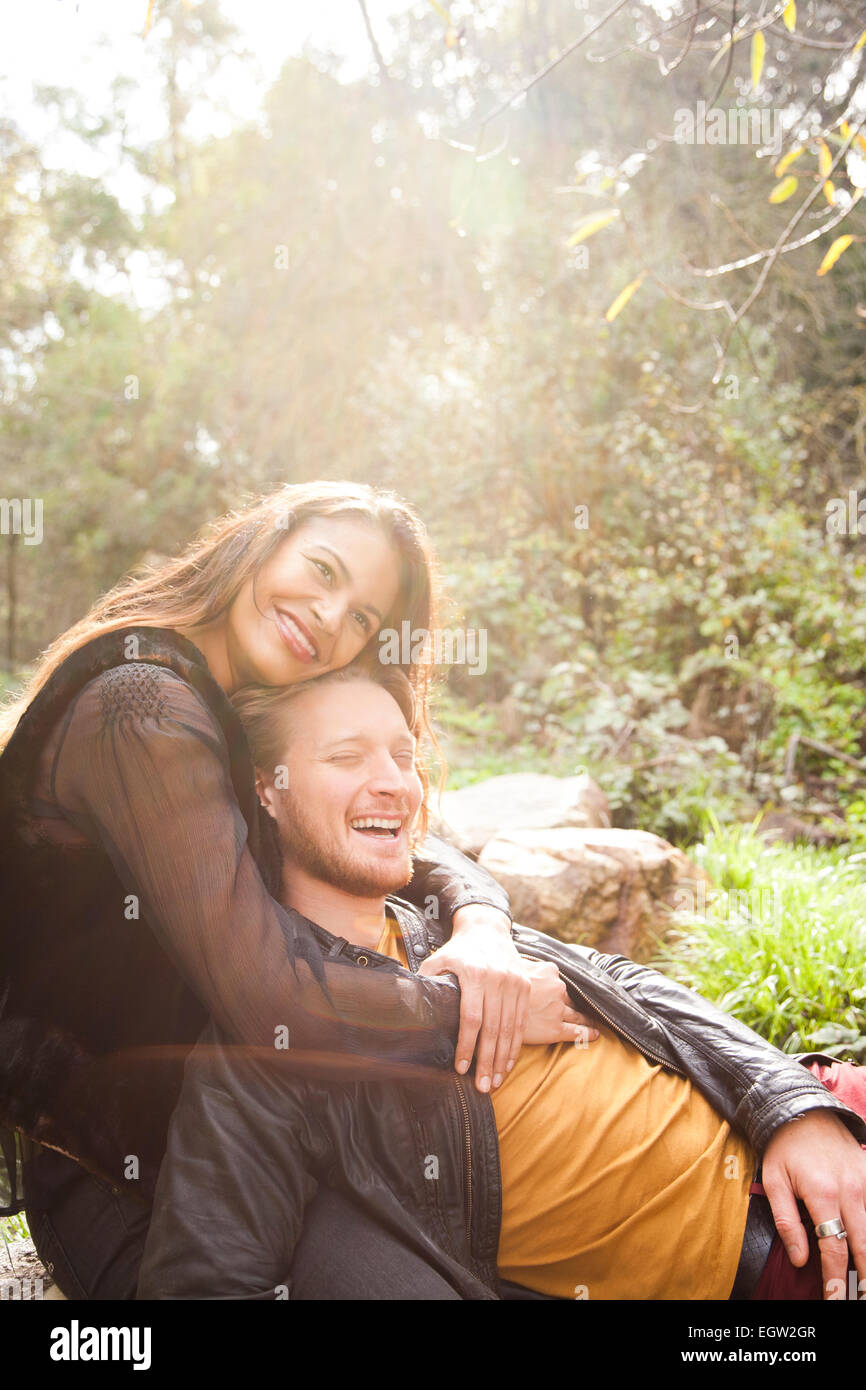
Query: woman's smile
{"points": [[295, 635]]}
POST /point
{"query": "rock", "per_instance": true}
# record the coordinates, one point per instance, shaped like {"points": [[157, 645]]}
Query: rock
{"points": [[519, 801], [608, 888]]}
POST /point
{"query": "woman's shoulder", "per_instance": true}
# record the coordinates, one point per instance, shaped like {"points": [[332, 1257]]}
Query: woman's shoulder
{"points": [[139, 690], [134, 672]]}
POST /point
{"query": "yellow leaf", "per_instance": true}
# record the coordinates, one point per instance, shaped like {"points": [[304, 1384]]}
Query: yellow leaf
{"points": [[787, 160], [860, 42], [623, 297], [784, 189], [789, 15], [839, 245], [825, 158], [845, 130], [759, 48], [450, 38], [830, 193], [441, 11], [589, 225], [148, 18]]}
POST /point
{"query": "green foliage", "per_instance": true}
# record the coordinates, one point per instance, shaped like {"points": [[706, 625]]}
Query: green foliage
{"points": [[14, 1227], [781, 945]]}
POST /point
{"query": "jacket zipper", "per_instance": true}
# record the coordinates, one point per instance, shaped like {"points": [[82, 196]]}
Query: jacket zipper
{"points": [[467, 1139], [467, 1167]]}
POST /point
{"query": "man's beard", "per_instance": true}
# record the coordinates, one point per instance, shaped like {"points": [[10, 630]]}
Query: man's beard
{"points": [[333, 863]]}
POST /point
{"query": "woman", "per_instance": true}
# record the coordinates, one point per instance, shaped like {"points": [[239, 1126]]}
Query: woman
{"points": [[137, 868]]}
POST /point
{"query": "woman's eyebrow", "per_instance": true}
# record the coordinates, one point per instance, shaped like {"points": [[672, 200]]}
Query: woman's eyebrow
{"points": [[347, 578]]}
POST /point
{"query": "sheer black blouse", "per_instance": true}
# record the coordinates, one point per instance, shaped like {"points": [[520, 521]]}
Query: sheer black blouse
{"points": [[137, 865]]}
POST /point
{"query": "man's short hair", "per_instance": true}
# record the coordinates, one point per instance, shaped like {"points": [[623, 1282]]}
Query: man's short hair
{"points": [[265, 713]]}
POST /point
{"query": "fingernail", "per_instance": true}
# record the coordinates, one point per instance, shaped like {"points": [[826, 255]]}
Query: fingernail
{"points": [[497, 1080], [462, 1066], [484, 1083], [509, 1064]]}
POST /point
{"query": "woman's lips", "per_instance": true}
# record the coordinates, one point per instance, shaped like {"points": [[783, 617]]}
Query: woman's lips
{"points": [[295, 636]]}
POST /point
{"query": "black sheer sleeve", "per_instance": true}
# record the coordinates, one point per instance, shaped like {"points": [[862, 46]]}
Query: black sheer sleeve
{"points": [[445, 880], [142, 770]]}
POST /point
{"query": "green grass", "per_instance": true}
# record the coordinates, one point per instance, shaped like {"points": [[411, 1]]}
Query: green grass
{"points": [[14, 1227], [782, 946]]}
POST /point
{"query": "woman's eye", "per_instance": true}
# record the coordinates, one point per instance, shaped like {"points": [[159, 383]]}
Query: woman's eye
{"points": [[362, 620], [323, 568]]}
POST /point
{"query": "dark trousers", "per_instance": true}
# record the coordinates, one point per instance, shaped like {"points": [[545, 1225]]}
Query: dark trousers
{"points": [[91, 1241]]}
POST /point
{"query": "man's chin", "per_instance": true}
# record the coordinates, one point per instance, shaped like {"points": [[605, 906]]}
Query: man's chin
{"points": [[370, 879]]}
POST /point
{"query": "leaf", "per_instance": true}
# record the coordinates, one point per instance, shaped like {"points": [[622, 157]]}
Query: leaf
{"points": [[830, 192], [825, 158], [789, 15], [589, 225], [787, 160], [442, 12], [860, 42], [759, 48], [148, 19], [839, 245], [623, 297], [784, 189]]}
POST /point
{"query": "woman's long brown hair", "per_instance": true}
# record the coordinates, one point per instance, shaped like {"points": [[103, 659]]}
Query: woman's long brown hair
{"points": [[199, 585]]}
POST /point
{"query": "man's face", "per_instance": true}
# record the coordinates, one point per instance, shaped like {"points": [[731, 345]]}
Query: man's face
{"points": [[350, 761]]}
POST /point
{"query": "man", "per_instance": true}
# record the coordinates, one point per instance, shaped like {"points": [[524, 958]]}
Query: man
{"points": [[623, 1169]]}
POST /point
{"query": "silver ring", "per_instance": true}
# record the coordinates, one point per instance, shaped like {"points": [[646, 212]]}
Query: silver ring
{"points": [[836, 1228]]}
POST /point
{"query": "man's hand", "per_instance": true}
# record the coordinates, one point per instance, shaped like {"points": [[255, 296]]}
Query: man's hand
{"points": [[817, 1159], [496, 991], [551, 1017]]}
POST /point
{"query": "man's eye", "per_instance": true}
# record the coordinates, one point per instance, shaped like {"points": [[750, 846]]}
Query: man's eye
{"points": [[406, 756], [343, 758]]}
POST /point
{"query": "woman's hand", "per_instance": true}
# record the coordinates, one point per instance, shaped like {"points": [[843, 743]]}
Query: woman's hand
{"points": [[500, 995]]}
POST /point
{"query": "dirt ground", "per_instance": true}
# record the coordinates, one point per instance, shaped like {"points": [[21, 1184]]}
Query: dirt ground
{"points": [[19, 1261]]}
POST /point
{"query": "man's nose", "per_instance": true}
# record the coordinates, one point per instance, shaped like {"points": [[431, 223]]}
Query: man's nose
{"points": [[386, 777]]}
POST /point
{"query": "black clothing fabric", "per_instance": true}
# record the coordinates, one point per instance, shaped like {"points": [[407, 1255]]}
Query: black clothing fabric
{"points": [[419, 1149], [136, 868]]}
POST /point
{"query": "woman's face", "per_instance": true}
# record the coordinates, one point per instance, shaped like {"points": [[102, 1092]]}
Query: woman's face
{"points": [[315, 602]]}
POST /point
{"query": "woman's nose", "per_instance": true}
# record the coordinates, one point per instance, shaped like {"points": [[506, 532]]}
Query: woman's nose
{"points": [[328, 613]]}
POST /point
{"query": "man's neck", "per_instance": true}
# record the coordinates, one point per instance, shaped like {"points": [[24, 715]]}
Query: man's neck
{"points": [[360, 920]]}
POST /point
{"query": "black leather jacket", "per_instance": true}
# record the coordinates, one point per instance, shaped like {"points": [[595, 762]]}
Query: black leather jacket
{"points": [[417, 1147]]}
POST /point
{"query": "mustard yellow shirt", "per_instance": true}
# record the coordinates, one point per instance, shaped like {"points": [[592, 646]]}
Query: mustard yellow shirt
{"points": [[619, 1180]]}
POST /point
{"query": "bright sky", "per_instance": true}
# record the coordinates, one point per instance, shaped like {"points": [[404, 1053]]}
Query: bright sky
{"points": [[84, 43]]}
